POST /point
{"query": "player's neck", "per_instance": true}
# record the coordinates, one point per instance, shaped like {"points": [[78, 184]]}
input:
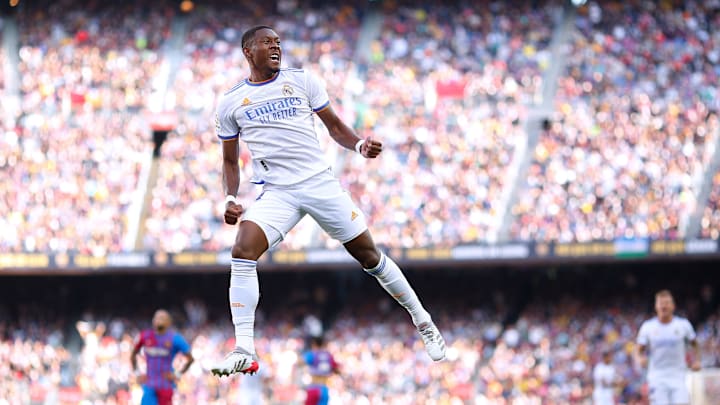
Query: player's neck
{"points": [[258, 77], [666, 319]]}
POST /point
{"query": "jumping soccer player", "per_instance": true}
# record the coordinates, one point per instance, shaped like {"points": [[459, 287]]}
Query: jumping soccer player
{"points": [[160, 346], [272, 112], [662, 339]]}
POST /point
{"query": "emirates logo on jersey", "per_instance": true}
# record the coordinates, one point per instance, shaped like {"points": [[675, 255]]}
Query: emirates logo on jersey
{"points": [[287, 90]]}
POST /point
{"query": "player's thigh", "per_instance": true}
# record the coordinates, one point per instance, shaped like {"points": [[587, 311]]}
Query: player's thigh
{"points": [[679, 394], [164, 396], [149, 396], [333, 209], [317, 395], [276, 212], [603, 398], [659, 393]]}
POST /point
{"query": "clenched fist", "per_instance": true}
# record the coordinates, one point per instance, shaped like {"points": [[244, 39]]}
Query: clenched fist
{"points": [[233, 212], [371, 148]]}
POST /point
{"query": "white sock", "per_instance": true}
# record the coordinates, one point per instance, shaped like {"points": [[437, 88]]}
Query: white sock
{"points": [[244, 295], [391, 278]]}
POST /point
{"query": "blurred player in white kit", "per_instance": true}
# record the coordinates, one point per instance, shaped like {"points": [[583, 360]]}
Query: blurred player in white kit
{"points": [[661, 348], [605, 379]]}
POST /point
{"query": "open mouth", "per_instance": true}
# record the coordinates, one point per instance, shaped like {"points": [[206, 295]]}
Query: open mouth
{"points": [[275, 57]]}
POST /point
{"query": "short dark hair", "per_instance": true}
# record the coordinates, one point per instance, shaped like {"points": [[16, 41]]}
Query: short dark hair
{"points": [[663, 293], [318, 340], [249, 35]]}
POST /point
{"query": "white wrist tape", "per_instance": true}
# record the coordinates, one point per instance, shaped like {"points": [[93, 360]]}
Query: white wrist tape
{"points": [[230, 198], [359, 145]]}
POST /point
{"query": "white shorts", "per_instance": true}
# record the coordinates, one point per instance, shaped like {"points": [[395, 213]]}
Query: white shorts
{"points": [[668, 392], [279, 208], [603, 396]]}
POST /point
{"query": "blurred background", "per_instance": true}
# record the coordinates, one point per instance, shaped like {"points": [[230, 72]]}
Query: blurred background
{"points": [[548, 166]]}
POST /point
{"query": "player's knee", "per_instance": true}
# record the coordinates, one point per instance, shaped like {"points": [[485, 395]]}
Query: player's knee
{"points": [[369, 258], [245, 251]]}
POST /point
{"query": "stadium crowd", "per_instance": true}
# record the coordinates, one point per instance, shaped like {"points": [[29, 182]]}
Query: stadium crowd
{"points": [[447, 87], [710, 223], [543, 350], [637, 121], [78, 141]]}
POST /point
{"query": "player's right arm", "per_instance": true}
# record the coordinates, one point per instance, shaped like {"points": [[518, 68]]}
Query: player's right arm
{"points": [[643, 340], [231, 179], [228, 131], [691, 338], [135, 352]]}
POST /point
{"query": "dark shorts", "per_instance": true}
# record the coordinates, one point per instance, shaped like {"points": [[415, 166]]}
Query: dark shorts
{"points": [[156, 396], [316, 395]]}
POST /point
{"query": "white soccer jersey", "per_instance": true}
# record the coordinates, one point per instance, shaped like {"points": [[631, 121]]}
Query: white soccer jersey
{"points": [[603, 378], [665, 343], [275, 120]]}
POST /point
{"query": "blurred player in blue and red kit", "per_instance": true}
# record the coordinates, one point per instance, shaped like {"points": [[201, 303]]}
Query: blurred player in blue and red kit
{"points": [[160, 345], [321, 364]]}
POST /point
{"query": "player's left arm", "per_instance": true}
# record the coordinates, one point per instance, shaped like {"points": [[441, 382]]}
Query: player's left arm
{"points": [[695, 365], [339, 131], [183, 348], [345, 136]]}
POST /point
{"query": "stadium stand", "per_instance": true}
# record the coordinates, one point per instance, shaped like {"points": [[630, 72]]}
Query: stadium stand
{"points": [[80, 138], [438, 101], [711, 214], [636, 121]]}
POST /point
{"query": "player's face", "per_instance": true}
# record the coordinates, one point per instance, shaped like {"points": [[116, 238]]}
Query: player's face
{"points": [[161, 321], [265, 52], [664, 306]]}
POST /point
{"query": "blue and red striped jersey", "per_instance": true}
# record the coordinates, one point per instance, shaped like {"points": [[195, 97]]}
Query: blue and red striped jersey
{"points": [[321, 362], [160, 350]]}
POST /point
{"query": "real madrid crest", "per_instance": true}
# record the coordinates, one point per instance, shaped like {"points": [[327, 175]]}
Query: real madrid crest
{"points": [[287, 90]]}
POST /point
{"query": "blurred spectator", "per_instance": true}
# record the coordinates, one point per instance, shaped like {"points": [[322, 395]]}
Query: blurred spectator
{"points": [[636, 118]]}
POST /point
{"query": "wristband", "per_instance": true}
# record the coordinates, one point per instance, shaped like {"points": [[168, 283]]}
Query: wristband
{"points": [[359, 145], [230, 198]]}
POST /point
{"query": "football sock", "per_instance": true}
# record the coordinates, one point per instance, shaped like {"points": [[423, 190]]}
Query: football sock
{"points": [[391, 278], [244, 295]]}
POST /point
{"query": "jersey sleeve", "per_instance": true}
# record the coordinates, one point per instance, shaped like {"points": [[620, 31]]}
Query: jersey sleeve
{"points": [[140, 341], [180, 344], [226, 128], [643, 337], [318, 96], [309, 357]]}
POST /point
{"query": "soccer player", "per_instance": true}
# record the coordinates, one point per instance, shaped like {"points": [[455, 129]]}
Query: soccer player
{"points": [[272, 113], [661, 348], [160, 345], [604, 380], [321, 364]]}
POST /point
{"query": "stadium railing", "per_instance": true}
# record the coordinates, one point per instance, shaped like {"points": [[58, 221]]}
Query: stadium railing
{"points": [[512, 253]]}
